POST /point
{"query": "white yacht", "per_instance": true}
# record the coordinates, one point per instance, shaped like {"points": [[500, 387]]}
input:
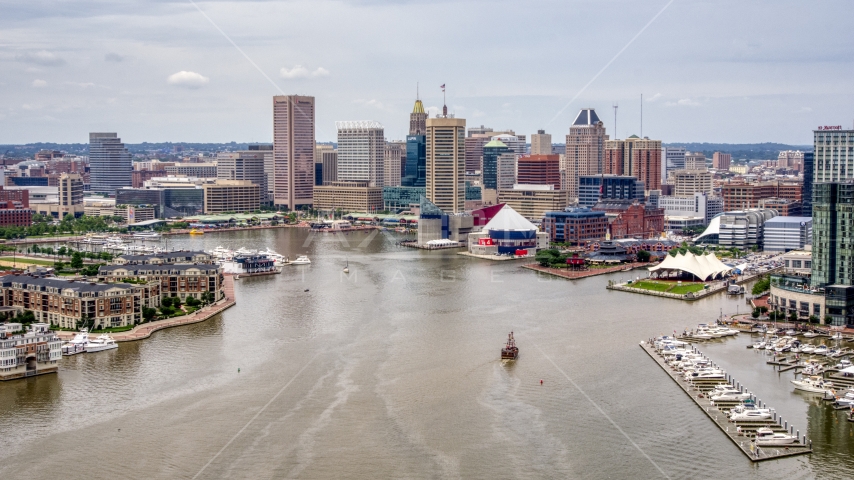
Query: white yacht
{"points": [[77, 344], [844, 363], [301, 260], [820, 350], [278, 258], [749, 412], [791, 332], [837, 336], [759, 345], [807, 348], [146, 235], [101, 343], [810, 335], [814, 384], [766, 437], [729, 395]]}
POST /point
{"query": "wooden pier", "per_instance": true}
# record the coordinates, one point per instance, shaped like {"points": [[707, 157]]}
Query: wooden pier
{"points": [[741, 433]]}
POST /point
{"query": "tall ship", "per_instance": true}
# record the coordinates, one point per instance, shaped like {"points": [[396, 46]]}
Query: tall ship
{"points": [[510, 351]]}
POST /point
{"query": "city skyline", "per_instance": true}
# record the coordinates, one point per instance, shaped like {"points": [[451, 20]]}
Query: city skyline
{"points": [[193, 85]]}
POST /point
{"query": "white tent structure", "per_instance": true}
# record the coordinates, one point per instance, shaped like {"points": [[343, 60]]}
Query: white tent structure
{"points": [[509, 220], [705, 267]]}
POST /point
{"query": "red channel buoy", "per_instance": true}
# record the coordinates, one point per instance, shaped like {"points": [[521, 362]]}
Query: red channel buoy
{"points": [[541, 381]]}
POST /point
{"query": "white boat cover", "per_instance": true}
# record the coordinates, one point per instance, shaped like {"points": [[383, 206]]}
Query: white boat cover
{"points": [[704, 267]]}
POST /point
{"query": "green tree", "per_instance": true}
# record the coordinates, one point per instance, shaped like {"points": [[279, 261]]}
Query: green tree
{"points": [[148, 313], [59, 266], [76, 261], [547, 257], [643, 256], [755, 313], [793, 317], [828, 320], [762, 285], [61, 251], [814, 319]]}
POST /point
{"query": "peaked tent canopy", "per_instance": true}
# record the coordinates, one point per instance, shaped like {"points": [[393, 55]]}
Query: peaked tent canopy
{"points": [[509, 220], [704, 267]]}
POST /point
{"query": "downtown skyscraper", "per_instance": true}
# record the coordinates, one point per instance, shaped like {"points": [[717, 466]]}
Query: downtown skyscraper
{"points": [[446, 170], [293, 150], [585, 149], [110, 163], [361, 152]]}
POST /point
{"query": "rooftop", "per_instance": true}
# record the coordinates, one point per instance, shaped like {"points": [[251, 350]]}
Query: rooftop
{"points": [[61, 284]]}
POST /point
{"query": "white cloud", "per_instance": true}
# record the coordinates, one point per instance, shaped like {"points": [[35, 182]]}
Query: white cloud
{"points": [[39, 83], [42, 57], [113, 57], [81, 84], [301, 72], [654, 97], [684, 102], [187, 79], [371, 103]]}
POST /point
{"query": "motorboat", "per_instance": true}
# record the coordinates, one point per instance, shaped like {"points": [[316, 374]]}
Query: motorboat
{"points": [[748, 412], [807, 348], [278, 258], [706, 374], [197, 232], [846, 400], [510, 351], [837, 336], [834, 352], [77, 344], [101, 343], [821, 350], [115, 239], [767, 437], [301, 260], [759, 345], [791, 332], [146, 235], [810, 335], [729, 395], [814, 384], [812, 368], [844, 363]]}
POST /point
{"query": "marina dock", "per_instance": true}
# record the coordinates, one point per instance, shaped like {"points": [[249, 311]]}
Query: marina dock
{"points": [[740, 433]]}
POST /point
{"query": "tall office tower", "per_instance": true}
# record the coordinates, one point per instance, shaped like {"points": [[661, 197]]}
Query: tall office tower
{"points": [[541, 143], [244, 165], [319, 150], [481, 130], [516, 143], [361, 152], [673, 158], [688, 182], [538, 170], [585, 149], [491, 153], [293, 150], [833, 237], [418, 119], [809, 173], [415, 171], [834, 154], [269, 165], [474, 151], [721, 161], [110, 164], [395, 152], [695, 161], [636, 157], [446, 169]]}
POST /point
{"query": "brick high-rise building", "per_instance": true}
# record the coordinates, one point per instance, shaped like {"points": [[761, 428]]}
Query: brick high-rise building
{"points": [[721, 161], [293, 150], [474, 151], [741, 196], [15, 208], [585, 149], [538, 170], [636, 157]]}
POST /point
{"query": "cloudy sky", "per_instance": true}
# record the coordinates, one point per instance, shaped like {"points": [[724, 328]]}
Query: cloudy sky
{"points": [[713, 71]]}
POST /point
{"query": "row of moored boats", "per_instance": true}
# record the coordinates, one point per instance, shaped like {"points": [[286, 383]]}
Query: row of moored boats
{"points": [[82, 343]]}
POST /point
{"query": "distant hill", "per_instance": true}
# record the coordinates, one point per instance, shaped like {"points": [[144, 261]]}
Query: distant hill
{"points": [[742, 151]]}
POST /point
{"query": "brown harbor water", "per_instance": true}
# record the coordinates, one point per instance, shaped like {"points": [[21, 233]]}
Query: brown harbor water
{"points": [[393, 371]]}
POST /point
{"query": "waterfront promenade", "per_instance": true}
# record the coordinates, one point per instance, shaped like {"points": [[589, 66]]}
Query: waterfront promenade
{"points": [[576, 274], [146, 329]]}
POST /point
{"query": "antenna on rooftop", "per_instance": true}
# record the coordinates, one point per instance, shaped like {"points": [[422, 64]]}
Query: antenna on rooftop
{"points": [[615, 119], [641, 135]]}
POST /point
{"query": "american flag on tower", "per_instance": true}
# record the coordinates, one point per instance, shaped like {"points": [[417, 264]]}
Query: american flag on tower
{"points": [[443, 87]]}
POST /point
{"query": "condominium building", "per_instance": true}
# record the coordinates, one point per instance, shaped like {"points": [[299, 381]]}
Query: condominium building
{"points": [[740, 196], [181, 280], [293, 150], [538, 169], [245, 165], [110, 163], [361, 152], [595, 188], [232, 196], [541, 143], [445, 162], [165, 258], [67, 302], [200, 170], [688, 182], [834, 154], [636, 157], [533, 201], [585, 149], [394, 163], [721, 161], [348, 197], [833, 235]]}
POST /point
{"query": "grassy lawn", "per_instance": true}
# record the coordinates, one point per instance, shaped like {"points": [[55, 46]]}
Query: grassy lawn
{"points": [[30, 261], [115, 329], [669, 287]]}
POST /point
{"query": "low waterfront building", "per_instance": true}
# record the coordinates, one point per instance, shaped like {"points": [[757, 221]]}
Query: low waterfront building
{"points": [[164, 258], [783, 234], [798, 261], [575, 226], [740, 229], [401, 198], [508, 233], [174, 280], [35, 352], [791, 293], [678, 223], [71, 304], [348, 196]]}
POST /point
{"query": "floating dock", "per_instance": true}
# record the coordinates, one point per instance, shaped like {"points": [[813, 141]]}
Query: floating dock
{"points": [[742, 437]]}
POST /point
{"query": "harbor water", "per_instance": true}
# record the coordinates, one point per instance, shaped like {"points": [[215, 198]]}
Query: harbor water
{"points": [[394, 371]]}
